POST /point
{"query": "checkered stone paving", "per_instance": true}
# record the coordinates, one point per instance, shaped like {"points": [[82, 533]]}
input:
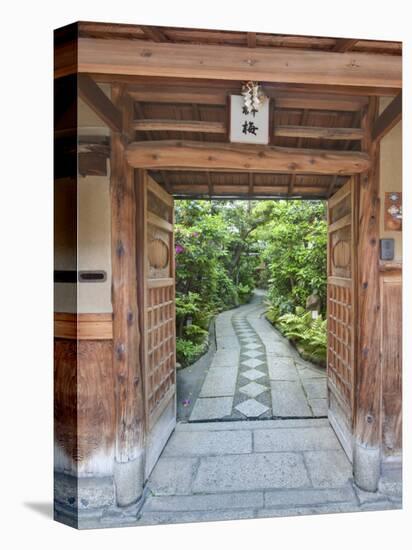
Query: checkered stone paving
{"points": [[256, 373], [252, 399]]}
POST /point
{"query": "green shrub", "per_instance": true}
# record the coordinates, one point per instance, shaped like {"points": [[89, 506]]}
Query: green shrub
{"points": [[187, 352]]}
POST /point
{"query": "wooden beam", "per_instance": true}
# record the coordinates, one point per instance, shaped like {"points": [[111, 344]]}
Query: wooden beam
{"points": [[388, 119], [92, 163], [251, 183], [154, 33], [209, 184], [127, 57], [344, 44], [251, 40], [315, 132], [192, 155], [367, 425], [98, 101], [332, 185], [292, 183], [284, 87], [179, 126], [218, 96], [222, 189], [220, 128], [127, 368]]}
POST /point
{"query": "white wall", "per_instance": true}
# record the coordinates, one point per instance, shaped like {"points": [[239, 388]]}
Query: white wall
{"points": [[390, 175], [93, 231]]}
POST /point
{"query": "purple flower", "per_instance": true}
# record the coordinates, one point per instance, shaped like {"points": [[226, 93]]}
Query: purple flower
{"points": [[195, 234], [179, 249]]}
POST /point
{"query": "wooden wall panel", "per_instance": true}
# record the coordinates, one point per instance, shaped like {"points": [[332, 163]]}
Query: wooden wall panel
{"points": [[391, 299], [83, 326], [84, 413]]}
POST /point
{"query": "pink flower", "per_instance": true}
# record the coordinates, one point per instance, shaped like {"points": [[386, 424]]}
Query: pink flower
{"points": [[179, 249]]}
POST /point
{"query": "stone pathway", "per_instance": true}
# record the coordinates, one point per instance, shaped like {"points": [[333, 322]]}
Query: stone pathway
{"points": [[256, 373], [230, 470], [252, 469], [212, 471]]}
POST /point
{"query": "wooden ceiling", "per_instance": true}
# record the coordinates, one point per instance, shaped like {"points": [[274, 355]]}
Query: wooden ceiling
{"points": [[178, 126], [167, 114], [175, 35]]}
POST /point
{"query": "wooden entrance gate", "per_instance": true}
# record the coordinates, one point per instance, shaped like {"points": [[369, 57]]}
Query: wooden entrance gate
{"points": [[341, 311], [156, 284], [168, 122]]}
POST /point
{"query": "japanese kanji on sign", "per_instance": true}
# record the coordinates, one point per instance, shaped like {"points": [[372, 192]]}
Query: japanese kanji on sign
{"points": [[249, 123]]}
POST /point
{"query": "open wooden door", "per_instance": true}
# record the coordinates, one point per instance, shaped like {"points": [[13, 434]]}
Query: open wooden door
{"points": [[342, 311], [156, 283]]}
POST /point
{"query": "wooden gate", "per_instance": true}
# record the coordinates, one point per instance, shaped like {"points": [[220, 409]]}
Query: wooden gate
{"points": [[341, 306], [156, 283]]}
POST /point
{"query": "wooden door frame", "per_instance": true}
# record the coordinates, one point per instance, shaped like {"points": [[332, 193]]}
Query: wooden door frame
{"points": [[366, 434], [130, 431]]}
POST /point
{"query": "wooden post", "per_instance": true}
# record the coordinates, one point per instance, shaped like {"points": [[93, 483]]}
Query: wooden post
{"points": [[129, 458], [366, 457]]}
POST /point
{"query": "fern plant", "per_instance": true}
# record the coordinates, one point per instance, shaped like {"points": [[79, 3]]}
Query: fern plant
{"points": [[308, 334]]}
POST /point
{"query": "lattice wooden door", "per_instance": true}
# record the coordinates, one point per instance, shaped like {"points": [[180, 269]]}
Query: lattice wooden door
{"points": [[157, 312], [341, 305]]}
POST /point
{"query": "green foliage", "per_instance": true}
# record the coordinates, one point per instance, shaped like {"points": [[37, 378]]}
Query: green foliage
{"points": [[187, 352], [224, 249], [308, 334], [216, 260], [294, 252]]}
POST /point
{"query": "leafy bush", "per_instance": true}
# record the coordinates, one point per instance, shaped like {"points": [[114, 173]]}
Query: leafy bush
{"points": [[215, 266], [294, 252], [187, 352]]}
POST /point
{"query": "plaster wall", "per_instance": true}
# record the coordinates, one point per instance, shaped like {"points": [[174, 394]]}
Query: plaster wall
{"points": [[390, 176], [82, 231]]}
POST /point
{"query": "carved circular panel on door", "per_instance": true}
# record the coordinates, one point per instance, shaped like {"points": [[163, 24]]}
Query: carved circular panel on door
{"points": [[341, 254], [158, 253]]}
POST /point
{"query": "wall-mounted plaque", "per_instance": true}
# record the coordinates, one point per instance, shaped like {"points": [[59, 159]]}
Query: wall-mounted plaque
{"points": [[248, 127], [393, 211]]}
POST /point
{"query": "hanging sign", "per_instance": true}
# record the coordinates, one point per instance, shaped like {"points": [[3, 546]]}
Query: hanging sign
{"points": [[249, 122], [393, 211]]}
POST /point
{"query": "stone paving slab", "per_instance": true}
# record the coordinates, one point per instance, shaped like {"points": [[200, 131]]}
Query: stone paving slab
{"points": [[209, 443], [251, 425], [162, 518], [208, 408], [315, 388], [225, 358], [283, 372], [309, 497], [328, 468], [288, 399], [173, 476], [319, 406], [330, 508], [251, 408], [277, 348], [219, 382], [249, 499], [307, 370], [298, 439], [250, 472]]}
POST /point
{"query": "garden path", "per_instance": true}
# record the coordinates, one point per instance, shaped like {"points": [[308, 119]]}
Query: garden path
{"points": [[256, 373]]}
